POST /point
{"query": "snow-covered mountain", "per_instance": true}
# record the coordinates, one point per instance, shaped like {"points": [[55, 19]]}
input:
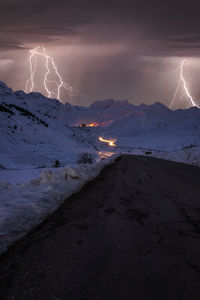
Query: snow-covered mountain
{"points": [[39, 132], [151, 126], [34, 131]]}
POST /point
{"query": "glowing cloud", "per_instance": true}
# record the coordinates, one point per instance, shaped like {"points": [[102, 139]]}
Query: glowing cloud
{"points": [[50, 64], [184, 83]]}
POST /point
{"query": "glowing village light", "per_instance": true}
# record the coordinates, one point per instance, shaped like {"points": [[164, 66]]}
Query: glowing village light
{"points": [[184, 83], [49, 62], [109, 142], [95, 124]]}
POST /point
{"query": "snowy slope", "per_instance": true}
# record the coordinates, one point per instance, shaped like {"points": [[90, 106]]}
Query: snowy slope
{"points": [[150, 126], [34, 131], [162, 130]]}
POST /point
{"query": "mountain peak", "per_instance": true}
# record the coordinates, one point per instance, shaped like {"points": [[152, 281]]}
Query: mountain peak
{"points": [[159, 107], [104, 104], [5, 90]]}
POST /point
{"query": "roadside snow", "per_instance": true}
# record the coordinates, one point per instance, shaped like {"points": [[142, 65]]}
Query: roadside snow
{"points": [[17, 176], [187, 155], [26, 204]]}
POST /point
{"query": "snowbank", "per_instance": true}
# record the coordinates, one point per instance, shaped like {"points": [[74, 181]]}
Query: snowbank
{"points": [[25, 205], [187, 155]]}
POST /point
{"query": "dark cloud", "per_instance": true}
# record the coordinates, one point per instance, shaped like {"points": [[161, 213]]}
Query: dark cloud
{"points": [[45, 30], [167, 23], [4, 45], [112, 35]]}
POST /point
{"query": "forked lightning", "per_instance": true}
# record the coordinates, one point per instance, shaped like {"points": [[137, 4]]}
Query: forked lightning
{"points": [[184, 84], [49, 63]]}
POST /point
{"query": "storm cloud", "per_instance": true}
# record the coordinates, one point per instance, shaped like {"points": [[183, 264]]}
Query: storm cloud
{"points": [[110, 49]]}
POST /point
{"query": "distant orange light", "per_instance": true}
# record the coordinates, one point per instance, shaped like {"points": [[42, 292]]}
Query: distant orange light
{"points": [[95, 124], [106, 123], [109, 142]]}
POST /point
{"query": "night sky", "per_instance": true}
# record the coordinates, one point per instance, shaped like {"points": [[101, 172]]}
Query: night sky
{"points": [[107, 49]]}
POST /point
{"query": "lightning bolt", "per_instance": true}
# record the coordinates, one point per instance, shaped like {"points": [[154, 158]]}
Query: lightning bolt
{"points": [[49, 63], [30, 81], [182, 82]]}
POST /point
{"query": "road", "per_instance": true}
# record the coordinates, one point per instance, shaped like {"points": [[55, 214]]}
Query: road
{"points": [[132, 233]]}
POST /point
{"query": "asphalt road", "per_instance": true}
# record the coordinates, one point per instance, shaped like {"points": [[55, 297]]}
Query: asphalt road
{"points": [[132, 233]]}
